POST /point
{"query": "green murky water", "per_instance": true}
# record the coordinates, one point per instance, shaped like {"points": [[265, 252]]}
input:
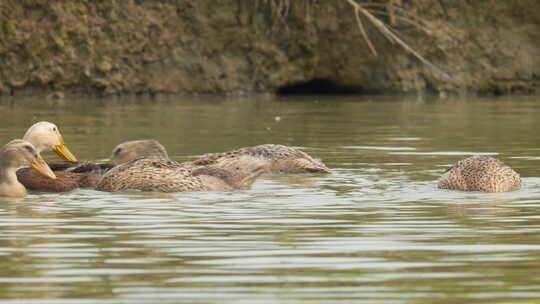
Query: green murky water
{"points": [[377, 230]]}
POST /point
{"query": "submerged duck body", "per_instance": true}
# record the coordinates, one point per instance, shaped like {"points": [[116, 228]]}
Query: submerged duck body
{"points": [[171, 176], [480, 173], [278, 159]]}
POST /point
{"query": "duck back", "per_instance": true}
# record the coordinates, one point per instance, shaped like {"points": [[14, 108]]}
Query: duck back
{"points": [[480, 173], [278, 158]]}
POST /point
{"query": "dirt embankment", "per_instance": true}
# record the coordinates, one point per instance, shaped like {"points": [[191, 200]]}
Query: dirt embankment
{"points": [[236, 47]]}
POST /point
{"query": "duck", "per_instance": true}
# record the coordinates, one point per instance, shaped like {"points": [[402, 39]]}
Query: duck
{"points": [[16, 153], [480, 173], [148, 174], [70, 173], [278, 159], [145, 165]]}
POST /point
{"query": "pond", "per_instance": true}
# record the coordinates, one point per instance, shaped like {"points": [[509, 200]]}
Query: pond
{"points": [[376, 230]]}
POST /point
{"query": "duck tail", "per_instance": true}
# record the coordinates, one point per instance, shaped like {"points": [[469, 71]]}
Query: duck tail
{"points": [[311, 165]]}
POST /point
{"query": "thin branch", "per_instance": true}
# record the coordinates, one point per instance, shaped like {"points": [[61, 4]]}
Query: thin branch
{"points": [[364, 33], [404, 19], [401, 10], [388, 34]]}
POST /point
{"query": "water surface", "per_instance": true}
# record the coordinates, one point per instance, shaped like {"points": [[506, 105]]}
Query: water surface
{"points": [[376, 230]]}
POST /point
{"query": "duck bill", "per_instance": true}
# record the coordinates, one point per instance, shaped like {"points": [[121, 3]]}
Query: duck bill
{"points": [[64, 152], [41, 166]]}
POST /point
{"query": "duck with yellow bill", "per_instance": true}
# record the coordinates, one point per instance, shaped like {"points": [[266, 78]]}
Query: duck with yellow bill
{"points": [[18, 153], [71, 174]]}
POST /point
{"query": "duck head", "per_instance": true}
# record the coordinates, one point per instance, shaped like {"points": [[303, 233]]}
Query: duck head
{"points": [[46, 136], [19, 153], [145, 148]]}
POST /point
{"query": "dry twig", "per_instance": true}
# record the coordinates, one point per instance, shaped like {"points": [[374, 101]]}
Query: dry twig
{"points": [[388, 34]]}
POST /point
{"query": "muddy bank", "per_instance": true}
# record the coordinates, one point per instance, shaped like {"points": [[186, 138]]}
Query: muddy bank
{"points": [[276, 46]]}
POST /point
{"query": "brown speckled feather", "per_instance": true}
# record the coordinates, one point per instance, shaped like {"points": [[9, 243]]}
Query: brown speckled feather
{"points": [[170, 176], [480, 173], [278, 158], [69, 176]]}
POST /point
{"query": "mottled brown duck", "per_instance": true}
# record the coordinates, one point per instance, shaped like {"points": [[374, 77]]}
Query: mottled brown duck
{"points": [[14, 154], [480, 173], [164, 175]]}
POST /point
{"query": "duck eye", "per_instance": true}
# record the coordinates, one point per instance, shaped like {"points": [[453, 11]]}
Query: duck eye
{"points": [[54, 129], [117, 151], [29, 149]]}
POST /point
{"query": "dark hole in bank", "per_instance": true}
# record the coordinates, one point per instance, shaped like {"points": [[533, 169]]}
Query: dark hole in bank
{"points": [[317, 86]]}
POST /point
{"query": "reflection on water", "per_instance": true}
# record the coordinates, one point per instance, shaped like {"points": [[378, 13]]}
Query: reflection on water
{"points": [[375, 231]]}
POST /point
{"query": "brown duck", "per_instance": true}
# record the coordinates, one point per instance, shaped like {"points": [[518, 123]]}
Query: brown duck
{"points": [[169, 176], [145, 165], [480, 173]]}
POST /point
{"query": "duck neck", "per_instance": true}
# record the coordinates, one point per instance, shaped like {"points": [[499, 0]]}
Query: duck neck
{"points": [[9, 185]]}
